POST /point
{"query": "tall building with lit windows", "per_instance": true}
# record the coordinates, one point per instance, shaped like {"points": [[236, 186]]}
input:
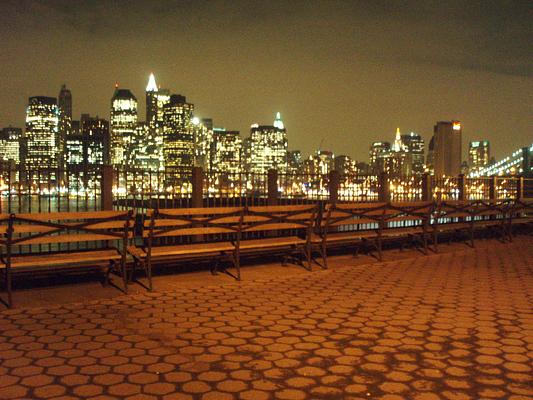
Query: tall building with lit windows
{"points": [[178, 133], [42, 132], [380, 153], [414, 146], [203, 142], [123, 125], [226, 152], [151, 101], [74, 146], [478, 155], [64, 103], [95, 133], [345, 165], [294, 161], [267, 147], [146, 152], [447, 157], [322, 162], [10, 139]]}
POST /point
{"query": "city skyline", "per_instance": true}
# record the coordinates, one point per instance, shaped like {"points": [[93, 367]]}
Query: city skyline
{"points": [[333, 86], [152, 87]]}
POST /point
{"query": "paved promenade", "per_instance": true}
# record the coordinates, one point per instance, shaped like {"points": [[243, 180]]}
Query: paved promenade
{"points": [[458, 325]]}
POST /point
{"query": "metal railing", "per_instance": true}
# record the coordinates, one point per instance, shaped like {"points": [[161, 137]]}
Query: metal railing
{"points": [[106, 187]]}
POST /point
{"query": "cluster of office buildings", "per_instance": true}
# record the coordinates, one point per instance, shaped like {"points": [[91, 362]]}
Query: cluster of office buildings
{"points": [[171, 138], [406, 155]]}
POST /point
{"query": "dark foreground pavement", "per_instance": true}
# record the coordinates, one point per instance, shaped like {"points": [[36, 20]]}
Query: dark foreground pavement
{"points": [[458, 325]]}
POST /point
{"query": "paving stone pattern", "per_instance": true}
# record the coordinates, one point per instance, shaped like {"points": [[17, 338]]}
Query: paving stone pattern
{"points": [[451, 326]]}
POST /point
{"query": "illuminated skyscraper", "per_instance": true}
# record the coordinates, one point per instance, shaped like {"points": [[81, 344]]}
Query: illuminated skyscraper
{"points": [[123, 125], [320, 163], [399, 162], [147, 151], [447, 148], [74, 145], [478, 155], [64, 102], [430, 158], [268, 147], [380, 153], [414, 145], [151, 101], [10, 144], [294, 161], [226, 152], [203, 142], [178, 133], [95, 132], [345, 165], [163, 97], [42, 132]]}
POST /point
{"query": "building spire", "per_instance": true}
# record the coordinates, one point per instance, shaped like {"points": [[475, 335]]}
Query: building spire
{"points": [[151, 87], [278, 123], [397, 146]]}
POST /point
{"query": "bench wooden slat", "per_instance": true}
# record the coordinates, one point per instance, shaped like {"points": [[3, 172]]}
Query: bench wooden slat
{"points": [[352, 236], [182, 250], [83, 237], [194, 211], [36, 228], [282, 209], [284, 241], [72, 258], [83, 215], [189, 232], [274, 226], [359, 206]]}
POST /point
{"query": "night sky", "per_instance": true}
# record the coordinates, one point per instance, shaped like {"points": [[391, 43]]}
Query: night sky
{"points": [[341, 73]]}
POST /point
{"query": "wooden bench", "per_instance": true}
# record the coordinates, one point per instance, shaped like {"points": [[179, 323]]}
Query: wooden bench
{"points": [[173, 235], [343, 224], [408, 221], [452, 217], [492, 215], [282, 229], [468, 216], [64, 240], [520, 214]]}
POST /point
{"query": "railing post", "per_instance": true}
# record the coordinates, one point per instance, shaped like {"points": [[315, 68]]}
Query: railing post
{"points": [[106, 188], [426, 187], [520, 187], [334, 183], [493, 183], [461, 185], [197, 187], [384, 187], [272, 187]]}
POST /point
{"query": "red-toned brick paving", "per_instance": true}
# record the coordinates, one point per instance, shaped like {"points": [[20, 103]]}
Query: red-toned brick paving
{"points": [[458, 325]]}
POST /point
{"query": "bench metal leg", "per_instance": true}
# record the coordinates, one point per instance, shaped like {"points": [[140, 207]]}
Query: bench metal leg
{"points": [[7, 284], [324, 254], [307, 252], [124, 273], [214, 268], [108, 272], [425, 243], [357, 249], [237, 263], [148, 266], [378, 243]]}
